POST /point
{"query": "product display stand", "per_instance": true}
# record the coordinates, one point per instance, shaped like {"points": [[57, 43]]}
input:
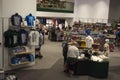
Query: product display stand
{"points": [[98, 69], [88, 66], [15, 57], [92, 68], [21, 54], [82, 67]]}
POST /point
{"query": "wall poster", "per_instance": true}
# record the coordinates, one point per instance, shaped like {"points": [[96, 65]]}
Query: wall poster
{"points": [[55, 6]]}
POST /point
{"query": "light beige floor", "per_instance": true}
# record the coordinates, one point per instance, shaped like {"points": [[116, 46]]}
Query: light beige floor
{"points": [[52, 52]]}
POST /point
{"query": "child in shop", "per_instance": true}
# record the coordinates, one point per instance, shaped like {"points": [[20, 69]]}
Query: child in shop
{"points": [[38, 48], [106, 48]]}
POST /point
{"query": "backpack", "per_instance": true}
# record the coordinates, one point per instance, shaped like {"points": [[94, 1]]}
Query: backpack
{"points": [[119, 34]]}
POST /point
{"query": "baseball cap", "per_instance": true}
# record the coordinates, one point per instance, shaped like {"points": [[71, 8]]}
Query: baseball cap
{"points": [[107, 40]]}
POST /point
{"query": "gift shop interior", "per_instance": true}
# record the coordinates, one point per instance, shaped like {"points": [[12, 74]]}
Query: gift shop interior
{"points": [[59, 39]]}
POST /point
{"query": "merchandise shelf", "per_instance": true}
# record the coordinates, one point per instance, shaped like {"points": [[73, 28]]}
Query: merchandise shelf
{"points": [[20, 63], [27, 52]]}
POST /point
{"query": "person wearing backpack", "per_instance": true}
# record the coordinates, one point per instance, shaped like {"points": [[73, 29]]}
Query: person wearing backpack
{"points": [[117, 37]]}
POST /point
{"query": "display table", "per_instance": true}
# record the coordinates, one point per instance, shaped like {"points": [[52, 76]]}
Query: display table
{"points": [[85, 66], [82, 67], [92, 68], [98, 69]]}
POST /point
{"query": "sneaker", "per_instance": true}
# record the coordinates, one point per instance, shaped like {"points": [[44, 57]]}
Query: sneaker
{"points": [[40, 56], [66, 71], [36, 56]]}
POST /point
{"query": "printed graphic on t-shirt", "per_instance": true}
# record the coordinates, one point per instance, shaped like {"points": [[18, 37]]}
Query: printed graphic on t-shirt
{"points": [[15, 39], [16, 20], [23, 38], [31, 20], [34, 37]]}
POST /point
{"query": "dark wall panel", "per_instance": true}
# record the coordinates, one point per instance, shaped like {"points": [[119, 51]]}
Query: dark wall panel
{"points": [[114, 9]]}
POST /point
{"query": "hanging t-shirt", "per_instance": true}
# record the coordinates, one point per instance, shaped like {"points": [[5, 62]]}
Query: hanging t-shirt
{"points": [[43, 21], [23, 37], [30, 20], [118, 34], [11, 38], [34, 37], [16, 20], [8, 38]]}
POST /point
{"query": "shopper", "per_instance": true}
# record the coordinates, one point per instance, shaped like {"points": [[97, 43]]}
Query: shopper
{"points": [[88, 31], [65, 50], [106, 48], [118, 38], [72, 55], [38, 48], [89, 41], [53, 35], [58, 34]]}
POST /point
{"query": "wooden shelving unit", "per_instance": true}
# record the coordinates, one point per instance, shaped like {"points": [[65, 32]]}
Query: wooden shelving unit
{"points": [[28, 52], [21, 53], [20, 63]]}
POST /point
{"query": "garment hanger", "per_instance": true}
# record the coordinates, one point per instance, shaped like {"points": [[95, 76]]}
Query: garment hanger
{"points": [[30, 14], [16, 13]]}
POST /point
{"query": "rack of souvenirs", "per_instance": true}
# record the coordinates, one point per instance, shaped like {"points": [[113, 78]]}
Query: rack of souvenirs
{"points": [[98, 38]]}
